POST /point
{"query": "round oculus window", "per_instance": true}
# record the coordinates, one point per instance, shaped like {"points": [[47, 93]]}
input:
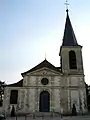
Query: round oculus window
{"points": [[44, 81]]}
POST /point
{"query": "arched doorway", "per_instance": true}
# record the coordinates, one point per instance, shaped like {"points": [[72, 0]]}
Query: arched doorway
{"points": [[44, 101]]}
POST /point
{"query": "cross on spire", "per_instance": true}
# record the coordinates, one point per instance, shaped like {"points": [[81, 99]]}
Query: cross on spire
{"points": [[67, 4]]}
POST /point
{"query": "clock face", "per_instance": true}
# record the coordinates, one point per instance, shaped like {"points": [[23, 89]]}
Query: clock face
{"points": [[44, 81]]}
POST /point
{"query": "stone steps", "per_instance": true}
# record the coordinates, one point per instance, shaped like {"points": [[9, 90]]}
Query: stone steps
{"points": [[43, 114], [50, 118]]}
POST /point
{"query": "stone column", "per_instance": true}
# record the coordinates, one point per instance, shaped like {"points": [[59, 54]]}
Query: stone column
{"points": [[23, 99], [36, 95], [69, 100], [69, 94], [82, 99], [51, 99], [60, 99], [27, 99], [6, 104], [36, 99], [60, 94], [52, 95]]}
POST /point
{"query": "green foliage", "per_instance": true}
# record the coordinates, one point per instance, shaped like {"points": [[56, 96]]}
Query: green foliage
{"points": [[2, 85]]}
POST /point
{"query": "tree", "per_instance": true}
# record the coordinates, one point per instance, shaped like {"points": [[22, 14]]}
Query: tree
{"points": [[2, 85]]}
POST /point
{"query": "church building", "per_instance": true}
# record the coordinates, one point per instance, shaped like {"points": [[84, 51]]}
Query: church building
{"points": [[46, 88]]}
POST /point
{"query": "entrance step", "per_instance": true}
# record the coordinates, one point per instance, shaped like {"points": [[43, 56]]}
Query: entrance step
{"points": [[44, 114]]}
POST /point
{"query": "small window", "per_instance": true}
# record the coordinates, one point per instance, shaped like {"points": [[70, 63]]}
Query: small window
{"points": [[72, 60], [13, 96]]}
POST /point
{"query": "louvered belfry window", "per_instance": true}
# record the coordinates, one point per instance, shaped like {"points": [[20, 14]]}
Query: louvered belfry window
{"points": [[72, 60], [13, 96]]}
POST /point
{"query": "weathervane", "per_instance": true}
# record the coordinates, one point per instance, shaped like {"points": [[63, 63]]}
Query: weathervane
{"points": [[67, 4]]}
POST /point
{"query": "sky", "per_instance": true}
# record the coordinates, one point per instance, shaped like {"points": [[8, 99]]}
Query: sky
{"points": [[29, 29]]}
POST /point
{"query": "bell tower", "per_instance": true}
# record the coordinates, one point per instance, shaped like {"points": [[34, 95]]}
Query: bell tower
{"points": [[70, 51]]}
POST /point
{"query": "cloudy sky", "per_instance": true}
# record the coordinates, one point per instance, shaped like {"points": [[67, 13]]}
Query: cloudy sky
{"points": [[29, 29]]}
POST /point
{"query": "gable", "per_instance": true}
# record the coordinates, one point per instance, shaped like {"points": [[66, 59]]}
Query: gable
{"points": [[44, 71], [44, 64]]}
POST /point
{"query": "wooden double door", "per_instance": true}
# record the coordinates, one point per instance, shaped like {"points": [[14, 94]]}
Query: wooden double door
{"points": [[44, 101]]}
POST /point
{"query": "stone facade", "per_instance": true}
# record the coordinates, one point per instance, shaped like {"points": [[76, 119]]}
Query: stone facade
{"points": [[64, 91]]}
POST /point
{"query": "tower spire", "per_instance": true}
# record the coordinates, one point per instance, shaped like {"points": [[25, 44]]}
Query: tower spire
{"points": [[69, 38]]}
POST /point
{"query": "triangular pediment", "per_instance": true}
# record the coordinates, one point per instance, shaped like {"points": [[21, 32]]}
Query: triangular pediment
{"points": [[44, 65], [44, 71]]}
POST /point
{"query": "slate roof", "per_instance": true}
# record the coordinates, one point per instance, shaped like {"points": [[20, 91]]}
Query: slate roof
{"points": [[69, 38], [46, 64], [18, 84]]}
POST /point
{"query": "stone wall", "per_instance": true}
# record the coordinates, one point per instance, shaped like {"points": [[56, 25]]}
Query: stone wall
{"points": [[64, 91]]}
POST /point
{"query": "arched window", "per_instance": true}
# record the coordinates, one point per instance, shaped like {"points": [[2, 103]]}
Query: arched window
{"points": [[72, 60]]}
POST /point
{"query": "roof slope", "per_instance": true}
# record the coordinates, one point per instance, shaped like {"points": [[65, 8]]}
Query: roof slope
{"points": [[45, 63], [18, 84]]}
